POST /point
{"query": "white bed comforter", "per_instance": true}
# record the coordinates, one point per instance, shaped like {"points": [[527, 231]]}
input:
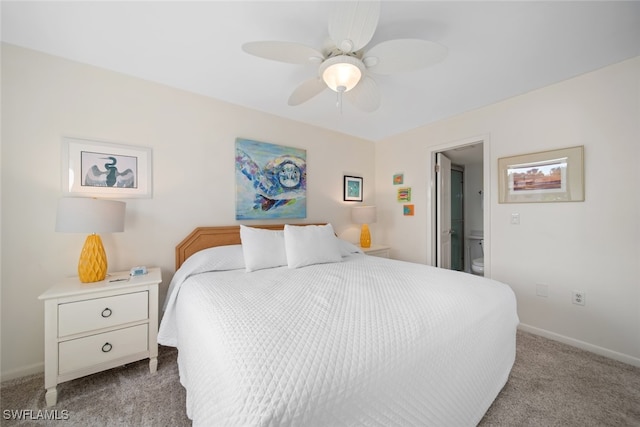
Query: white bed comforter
{"points": [[364, 342]]}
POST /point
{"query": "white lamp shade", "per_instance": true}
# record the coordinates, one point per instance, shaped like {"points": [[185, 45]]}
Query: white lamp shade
{"points": [[87, 215], [341, 73], [364, 214]]}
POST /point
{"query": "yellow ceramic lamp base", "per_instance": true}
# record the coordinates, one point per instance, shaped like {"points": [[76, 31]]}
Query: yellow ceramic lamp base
{"points": [[365, 237], [92, 266]]}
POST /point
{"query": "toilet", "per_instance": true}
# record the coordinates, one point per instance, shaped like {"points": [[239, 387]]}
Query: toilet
{"points": [[477, 266], [476, 254]]}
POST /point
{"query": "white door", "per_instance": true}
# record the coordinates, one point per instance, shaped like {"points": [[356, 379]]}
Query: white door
{"points": [[443, 201]]}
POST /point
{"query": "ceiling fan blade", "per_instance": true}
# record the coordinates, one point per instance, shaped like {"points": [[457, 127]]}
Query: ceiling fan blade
{"points": [[393, 56], [307, 90], [290, 52], [353, 23], [365, 95]]}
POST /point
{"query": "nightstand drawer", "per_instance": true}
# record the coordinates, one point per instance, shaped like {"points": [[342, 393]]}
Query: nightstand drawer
{"points": [[95, 349], [98, 313]]}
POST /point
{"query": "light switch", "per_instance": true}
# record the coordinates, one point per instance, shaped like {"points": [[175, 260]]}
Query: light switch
{"points": [[515, 218]]}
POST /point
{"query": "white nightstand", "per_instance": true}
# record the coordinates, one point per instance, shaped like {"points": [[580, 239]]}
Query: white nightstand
{"points": [[91, 327], [381, 251]]}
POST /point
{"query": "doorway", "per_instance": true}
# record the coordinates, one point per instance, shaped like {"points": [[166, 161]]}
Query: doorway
{"points": [[460, 174]]}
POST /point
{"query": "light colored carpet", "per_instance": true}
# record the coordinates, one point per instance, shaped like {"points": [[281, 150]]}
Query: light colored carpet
{"points": [[551, 384]]}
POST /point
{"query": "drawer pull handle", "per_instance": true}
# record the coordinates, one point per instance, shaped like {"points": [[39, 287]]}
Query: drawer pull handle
{"points": [[106, 312], [106, 348]]}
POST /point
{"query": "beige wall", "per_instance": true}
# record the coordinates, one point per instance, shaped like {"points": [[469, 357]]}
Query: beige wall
{"points": [[592, 246], [192, 137]]}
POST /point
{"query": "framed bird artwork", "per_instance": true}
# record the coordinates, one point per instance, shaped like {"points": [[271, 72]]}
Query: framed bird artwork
{"points": [[103, 169]]}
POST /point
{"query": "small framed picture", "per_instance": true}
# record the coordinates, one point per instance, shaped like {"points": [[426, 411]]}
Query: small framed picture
{"points": [[547, 176], [101, 169], [352, 189], [404, 194]]}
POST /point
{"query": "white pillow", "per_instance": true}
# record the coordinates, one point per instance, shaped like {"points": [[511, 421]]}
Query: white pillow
{"points": [[262, 248], [311, 244]]}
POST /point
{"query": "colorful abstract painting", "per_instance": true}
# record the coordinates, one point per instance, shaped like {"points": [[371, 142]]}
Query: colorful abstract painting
{"points": [[398, 179], [408, 210], [353, 186], [404, 194], [271, 181]]}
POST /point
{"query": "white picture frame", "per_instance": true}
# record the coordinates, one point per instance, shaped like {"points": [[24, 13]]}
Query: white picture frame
{"points": [[542, 177], [102, 169]]}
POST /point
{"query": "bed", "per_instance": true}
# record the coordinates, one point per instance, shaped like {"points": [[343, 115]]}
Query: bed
{"points": [[291, 326]]}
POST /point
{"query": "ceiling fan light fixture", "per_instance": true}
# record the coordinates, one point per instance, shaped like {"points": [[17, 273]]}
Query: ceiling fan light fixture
{"points": [[342, 72]]}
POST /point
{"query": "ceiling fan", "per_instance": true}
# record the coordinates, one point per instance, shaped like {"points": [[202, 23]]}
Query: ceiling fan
{"points": [[345, 62]]}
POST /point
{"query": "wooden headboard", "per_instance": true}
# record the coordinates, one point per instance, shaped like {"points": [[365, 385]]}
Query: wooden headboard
{"points": [[209, 237]]}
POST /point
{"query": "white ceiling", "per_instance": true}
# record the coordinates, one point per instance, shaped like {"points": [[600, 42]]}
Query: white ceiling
{"points": [[496, 50]]}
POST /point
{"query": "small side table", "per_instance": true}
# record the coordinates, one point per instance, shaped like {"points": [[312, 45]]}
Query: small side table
{"points": [[92, 327], [381, 251]]}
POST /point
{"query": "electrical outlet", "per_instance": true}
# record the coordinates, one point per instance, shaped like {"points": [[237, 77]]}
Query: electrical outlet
{"points": [[578, 297]]}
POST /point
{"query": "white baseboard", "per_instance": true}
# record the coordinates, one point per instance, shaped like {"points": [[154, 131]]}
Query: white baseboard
{"points": [[581, 345], [36, 368]]}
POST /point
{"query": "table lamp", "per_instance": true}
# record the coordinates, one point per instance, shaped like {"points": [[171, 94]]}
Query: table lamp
{"points": [[87, 215], [364, 215]]}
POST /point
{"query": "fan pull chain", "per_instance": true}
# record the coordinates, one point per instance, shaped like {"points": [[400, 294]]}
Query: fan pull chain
{"points": [[339, 100]]}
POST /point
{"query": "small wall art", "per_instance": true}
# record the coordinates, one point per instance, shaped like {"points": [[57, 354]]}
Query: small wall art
{"points": [[398, 179], [352, 189], [404, 194], [271, 181], [101, 169], [547, 176], [408, 210]]}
